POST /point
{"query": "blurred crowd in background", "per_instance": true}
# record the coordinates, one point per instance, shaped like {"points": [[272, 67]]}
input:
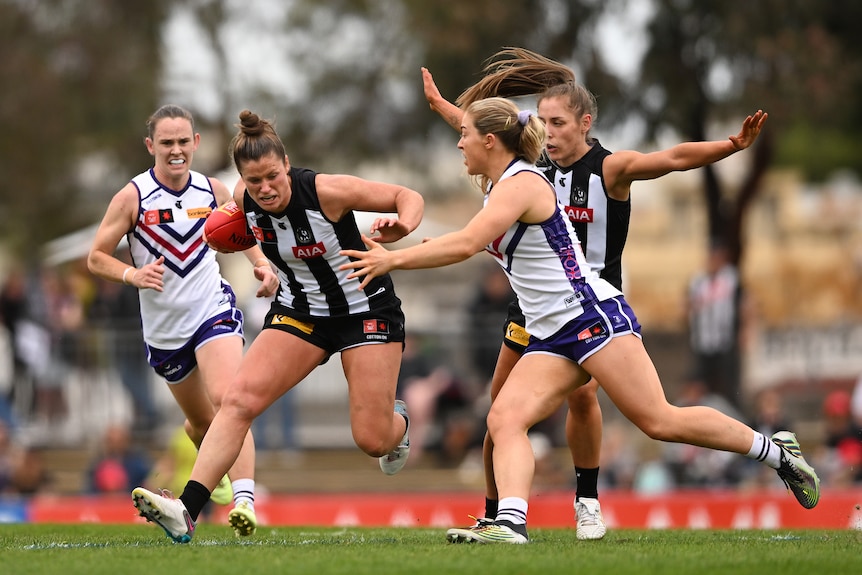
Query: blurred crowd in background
{"points": [[71, 342]]}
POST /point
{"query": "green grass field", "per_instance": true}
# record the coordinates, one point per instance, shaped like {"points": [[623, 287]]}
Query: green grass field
{"points": [[131, 549]]}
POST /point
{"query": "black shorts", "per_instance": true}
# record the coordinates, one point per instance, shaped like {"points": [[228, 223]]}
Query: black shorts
{"points": [[515, 337], [335, 334]]}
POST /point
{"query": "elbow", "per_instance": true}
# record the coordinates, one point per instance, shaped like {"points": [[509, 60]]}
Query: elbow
{"points": [[91, 263], [468, 250]]}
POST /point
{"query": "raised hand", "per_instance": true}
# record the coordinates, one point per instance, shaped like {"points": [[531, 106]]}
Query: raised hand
{"points": [[750, 130]]}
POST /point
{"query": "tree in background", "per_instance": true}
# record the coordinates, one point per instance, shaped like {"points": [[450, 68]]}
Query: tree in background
{"points": [[79, 79], [710, 61]]}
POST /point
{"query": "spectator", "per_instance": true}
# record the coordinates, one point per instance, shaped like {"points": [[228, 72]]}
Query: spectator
{"points": [[8, 458], [13, 310], [486, 313], [173, 468], [118, 467], [842, 441], [695, 466], [714, 304], [115, 313], [856, 406], [769, 414], [441, 405], [21, 469]]}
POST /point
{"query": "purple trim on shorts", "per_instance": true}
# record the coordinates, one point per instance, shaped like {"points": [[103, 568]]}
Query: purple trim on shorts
{"points": [[177, 364], [589, 332]]}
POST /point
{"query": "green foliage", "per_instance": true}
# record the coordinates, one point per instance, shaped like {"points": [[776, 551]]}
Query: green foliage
{"points": [[133, 549], [819, 152], [79, 78]]}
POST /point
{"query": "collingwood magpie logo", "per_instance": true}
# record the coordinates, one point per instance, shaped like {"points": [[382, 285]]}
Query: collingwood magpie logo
{"points": [[303, 236], [579, 196]]}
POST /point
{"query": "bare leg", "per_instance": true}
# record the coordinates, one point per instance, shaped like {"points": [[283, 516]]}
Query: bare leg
{"points": [[638, 394], [219, 361], [536, 387], [584, 426], [506, 360], [275, 362], [372, 375]]}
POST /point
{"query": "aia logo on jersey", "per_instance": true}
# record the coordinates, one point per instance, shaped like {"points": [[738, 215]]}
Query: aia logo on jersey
{"points": [[375, 326], [579, 215], [262, 235], [156, 217], [306, 247], [308, 252]]}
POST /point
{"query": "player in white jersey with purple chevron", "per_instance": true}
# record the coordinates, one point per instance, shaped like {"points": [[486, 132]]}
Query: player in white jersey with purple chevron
{"points": [[594, 187], [191, 325], [581, 326]]}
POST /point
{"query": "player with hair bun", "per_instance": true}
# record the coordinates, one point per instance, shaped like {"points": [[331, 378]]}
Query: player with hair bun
{"points": [[302, 221]]}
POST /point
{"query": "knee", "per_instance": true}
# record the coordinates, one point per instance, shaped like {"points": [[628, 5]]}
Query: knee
{"points": [[657, 428], [499, 422], [374, 444], [240, 406], [584, 400]]}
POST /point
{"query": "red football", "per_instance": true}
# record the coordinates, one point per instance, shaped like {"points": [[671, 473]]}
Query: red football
{"points": [[225, 229]]}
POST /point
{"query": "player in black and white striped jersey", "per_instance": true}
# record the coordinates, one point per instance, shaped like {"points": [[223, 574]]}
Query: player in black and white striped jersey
{"points": [[302, 220]]}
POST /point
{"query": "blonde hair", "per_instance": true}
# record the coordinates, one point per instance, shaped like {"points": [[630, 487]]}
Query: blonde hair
{"points": [[519, 131], [514, 72]]}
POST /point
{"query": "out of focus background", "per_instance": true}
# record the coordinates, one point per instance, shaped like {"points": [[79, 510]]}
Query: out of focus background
{"points": [[81, 412]]}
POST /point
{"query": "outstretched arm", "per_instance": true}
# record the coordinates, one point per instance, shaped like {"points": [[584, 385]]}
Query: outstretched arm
{"points": [[446, 109], [623, 168]]}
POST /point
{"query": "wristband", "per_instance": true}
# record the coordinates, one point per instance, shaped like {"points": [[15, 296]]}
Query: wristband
{"points": [[264, 260], [127, 271]]}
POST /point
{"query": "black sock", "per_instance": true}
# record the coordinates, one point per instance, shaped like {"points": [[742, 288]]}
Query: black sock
{"points": [[490, 508], [520, 529], [194, 497], [588, 482]]}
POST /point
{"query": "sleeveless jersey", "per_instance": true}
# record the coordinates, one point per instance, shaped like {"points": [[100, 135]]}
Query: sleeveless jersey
{"points": [[305, 247], [170, 223], [601, 222], [546, 267]]}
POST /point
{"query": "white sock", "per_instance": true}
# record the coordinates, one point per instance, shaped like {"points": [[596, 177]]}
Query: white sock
{"points": [[243, 490], [763, 449], [513, 510]]}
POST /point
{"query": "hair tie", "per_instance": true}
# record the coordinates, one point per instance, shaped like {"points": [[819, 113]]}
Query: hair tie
{"points": [[524, 117]]}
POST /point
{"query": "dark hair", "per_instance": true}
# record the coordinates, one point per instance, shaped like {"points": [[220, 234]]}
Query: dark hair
{"points": [[255, 139], [520, 132], [514, 72], [168, 111]]}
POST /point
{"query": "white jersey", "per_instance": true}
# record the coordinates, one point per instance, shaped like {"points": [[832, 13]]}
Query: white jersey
{"points": [[170, 224], [546, 267]]}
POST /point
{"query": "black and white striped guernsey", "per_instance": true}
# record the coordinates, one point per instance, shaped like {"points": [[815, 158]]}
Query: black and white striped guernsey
{"points": [[602, 223], [305, 247]]}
